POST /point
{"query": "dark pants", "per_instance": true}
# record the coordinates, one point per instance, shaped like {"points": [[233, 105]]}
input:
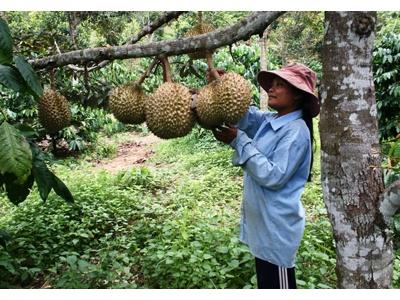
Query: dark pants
{"points": [[270, 276]]}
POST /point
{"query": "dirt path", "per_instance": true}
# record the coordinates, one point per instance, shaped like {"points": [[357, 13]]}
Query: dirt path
{"points": [[133, 152]]}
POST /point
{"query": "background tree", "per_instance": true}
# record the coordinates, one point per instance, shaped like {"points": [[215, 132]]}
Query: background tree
{"points": [[297, 36], [350, 152]]}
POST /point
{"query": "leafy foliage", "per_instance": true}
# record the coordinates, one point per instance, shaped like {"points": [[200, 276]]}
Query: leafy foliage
{"points": [[173, 226], [387, 84], [11, 78], [15, 154], [18, 162], [5, 43], [29, 75], [297, 36]]}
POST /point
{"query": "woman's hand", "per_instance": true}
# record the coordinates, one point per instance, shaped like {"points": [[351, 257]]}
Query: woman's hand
{"points": [[225, 134]]}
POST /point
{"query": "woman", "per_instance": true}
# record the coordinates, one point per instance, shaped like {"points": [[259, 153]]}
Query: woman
{"points": [[275, 151]]}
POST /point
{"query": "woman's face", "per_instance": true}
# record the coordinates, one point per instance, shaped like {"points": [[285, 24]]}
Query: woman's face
{"points": [[282, 97]]}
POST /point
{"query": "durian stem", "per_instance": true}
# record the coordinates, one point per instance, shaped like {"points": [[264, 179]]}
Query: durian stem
{"points": [[148, 71], [87, 85], [166, 69], [54, 143], [211, 69], [200, 18], [52, 79]]}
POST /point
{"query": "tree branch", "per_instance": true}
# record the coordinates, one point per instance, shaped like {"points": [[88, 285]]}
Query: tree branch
{"points": [[391, 200], [243, 30], [149, 29], [149, 70]]}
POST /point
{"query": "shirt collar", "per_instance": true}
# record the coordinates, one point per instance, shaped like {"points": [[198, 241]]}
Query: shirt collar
{"points": [[277, 123]]}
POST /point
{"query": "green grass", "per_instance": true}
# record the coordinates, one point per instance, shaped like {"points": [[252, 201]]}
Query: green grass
{"points": [[172, 224]]}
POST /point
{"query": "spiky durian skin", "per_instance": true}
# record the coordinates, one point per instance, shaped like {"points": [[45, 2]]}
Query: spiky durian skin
{"points": [[233, 92], [168, 112], [208, 108], [197, 30], [126, 102], [225, 100], [54, 111]]}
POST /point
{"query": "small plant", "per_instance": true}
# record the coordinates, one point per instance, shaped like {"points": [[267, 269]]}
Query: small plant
{"points": [[137, 178]]}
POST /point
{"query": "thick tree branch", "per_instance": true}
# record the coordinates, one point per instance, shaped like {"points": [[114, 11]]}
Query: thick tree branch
{"points": [[243, 30], [149, 29], [391, 200]]}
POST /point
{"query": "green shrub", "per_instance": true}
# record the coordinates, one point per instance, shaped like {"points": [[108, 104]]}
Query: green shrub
{"points": [[386, 64]]}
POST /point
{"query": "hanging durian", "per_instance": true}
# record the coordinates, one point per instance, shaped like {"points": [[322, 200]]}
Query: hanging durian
{"points": [[54, 111], [168, 111], [233, 93], [208, 110], [224, 100], [126, 102], [200, 28]]}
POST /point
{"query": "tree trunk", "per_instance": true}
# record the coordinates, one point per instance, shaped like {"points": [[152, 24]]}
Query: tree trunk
{"points": [[263, 66], [73, 21], [351, 174]]}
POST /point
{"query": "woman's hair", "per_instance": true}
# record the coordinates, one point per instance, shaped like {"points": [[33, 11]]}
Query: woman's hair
{"points": [[304, 106]]}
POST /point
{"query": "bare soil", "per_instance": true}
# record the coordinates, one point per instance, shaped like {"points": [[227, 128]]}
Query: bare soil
{"points": [[136, 151]]}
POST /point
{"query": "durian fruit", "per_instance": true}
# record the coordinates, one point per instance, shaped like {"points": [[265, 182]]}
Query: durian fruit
{"points": [[54, 111], [168, 111], [233, 93], [224, 100], [126, 102], [208, 108], [199, 28]]}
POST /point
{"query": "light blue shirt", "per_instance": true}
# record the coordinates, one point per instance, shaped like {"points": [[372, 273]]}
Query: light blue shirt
{"points": [[275, 154]]}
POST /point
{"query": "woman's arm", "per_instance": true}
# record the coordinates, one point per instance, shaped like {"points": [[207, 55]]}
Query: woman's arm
{"points": [[275, 172], [251, 121]]}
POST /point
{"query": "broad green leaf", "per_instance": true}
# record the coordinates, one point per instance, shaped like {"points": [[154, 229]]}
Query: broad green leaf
{"points": [[46, 180], [4, 237], [15, 153], [83, 265], [8, 266], [6, 43], [71, 260], [29, 75], [26, 130], [43, 177], [61, 189], [16, 191], [11, 78]]}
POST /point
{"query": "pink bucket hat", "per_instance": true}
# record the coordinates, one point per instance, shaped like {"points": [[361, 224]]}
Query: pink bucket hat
{"points": [[299, 76]]}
